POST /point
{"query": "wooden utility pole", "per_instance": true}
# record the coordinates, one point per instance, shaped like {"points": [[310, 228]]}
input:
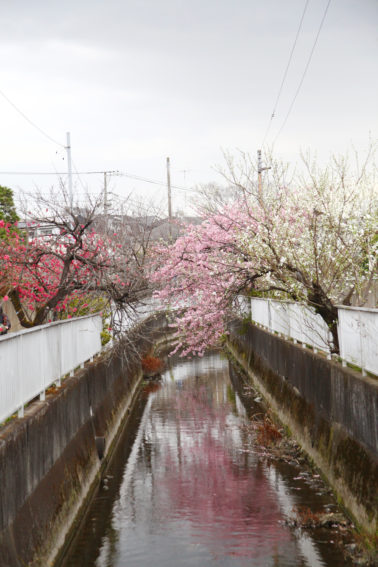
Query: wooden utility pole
{"points": [[106, 201], [106, 196], [69, 167], [260, 169], [169, 197]]}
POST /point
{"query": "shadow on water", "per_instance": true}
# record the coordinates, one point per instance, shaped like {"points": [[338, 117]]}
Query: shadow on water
{"points": [[188, 485]]}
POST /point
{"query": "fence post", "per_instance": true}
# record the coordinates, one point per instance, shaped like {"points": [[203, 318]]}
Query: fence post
{"points": [[341, 336], [42, 354], [72, 371], [58, 381], [20, 411], [362, 352]]}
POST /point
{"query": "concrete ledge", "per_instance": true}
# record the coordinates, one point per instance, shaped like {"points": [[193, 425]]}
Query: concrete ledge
{"points": [[332, 411], [49, 459]]}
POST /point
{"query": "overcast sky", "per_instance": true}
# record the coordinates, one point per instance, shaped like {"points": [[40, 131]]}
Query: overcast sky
{"points": [[135, 81]]}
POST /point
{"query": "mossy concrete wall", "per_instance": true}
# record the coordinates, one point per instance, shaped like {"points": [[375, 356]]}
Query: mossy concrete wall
{"points": [[49, 460], [332, 411]]}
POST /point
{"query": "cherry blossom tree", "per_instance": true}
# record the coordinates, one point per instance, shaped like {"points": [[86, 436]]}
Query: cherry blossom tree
{"points": [[311, 238], [200, 274]]}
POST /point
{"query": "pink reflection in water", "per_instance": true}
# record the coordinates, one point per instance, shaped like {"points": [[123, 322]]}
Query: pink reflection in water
{"points": [[226, 497]]}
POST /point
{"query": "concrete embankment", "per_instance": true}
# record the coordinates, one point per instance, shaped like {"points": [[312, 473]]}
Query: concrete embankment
{"points": [[51, 459], [332, 411]]}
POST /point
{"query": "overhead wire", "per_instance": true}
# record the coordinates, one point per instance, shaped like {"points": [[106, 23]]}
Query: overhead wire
{"points": [[49, 172], [285, 73], [119, 198], [147, 180], [34, 125], [78, 176], [115, 173], [30, 121], [303, 74]]}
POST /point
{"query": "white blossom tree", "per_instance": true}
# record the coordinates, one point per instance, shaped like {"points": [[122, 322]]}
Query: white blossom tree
{"points": [[309, 237]]}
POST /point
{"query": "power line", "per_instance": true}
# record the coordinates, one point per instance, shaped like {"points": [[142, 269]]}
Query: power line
{"points": [[49, 172], [114, 196], [78, 176], [116, 173], [285, 73], [30, 121], [153, 181], [304, 73]]}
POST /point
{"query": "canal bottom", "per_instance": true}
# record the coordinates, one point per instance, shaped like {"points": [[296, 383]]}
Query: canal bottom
{"points": [[189, 486]]}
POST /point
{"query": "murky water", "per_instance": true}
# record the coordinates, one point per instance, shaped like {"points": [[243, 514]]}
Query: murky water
{"points": [[186, 489]]}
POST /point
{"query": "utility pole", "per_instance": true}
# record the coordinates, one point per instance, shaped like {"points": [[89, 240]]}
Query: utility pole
{"points": [[69, 166], [169, 196], [260, 169], [106, 201], [106, 196]]}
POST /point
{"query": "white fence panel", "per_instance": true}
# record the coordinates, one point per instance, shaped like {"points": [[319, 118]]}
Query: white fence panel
{"points": [[321, 336], [308, 327], [10, 378], [31, 364], [68, 348], [260, 311], [358, 329], [280, 317], [294, 320], [33, 359], [50, 348], [297, 322], [358, 337], [86, 334]]}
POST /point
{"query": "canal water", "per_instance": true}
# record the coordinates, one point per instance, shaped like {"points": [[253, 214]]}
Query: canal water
{"points": [[189, 487]]}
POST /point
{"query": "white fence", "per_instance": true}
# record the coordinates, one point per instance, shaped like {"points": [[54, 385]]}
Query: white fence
{"points": [[33, 359], [123, 321], [357, 329], [358, 337]]}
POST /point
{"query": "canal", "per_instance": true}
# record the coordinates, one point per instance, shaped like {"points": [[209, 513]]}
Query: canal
{"points": [[191, 485]]}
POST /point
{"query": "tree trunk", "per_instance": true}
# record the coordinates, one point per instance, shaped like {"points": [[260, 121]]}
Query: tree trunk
{"points": [[15, 299], [39, 315], [329, 313]]}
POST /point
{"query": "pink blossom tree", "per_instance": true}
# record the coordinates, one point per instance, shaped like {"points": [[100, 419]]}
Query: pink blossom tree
{"points": [[200, 274], [62, 271], [313, 240]]}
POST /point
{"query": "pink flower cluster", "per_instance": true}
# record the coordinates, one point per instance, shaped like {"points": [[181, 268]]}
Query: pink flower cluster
{"points": [[51, 272], [198, 275]]}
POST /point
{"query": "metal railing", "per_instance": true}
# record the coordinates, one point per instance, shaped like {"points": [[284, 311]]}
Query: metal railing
{"points": [[357, 329], [33, 359]]}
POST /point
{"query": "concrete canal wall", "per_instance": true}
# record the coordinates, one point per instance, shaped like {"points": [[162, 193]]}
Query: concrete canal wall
{"points": [[332, 411], [51, 459]]}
